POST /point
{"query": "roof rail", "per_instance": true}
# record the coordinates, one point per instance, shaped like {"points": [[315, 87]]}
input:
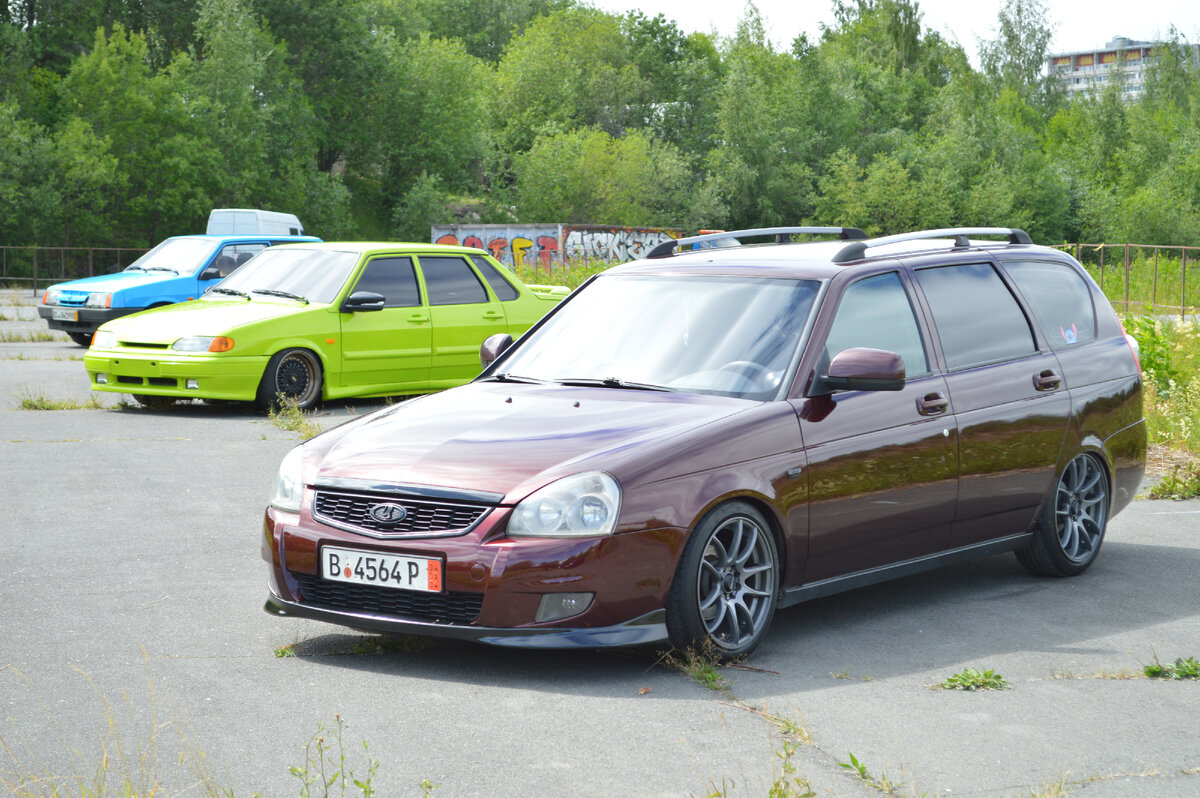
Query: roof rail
{"points": [[845, 233], [858, 249]]}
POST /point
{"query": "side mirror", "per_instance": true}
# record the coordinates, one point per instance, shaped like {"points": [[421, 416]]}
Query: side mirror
{"points": [[211, 273], [861, 369], [361, 301], [493, 347]]}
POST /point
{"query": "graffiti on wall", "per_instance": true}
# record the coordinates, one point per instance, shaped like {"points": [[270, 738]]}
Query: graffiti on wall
{"points": [[613, 243], [550, 245]]}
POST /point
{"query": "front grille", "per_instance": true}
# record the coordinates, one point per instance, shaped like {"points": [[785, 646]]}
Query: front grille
{"points": [[142, 345], [452, 608], [422, 517]]}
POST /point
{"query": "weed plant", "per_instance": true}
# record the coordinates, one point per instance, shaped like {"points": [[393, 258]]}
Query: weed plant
{"points": [[1170, 355], [287, 416], [38, 401], [971, 680], [1182, 668]]}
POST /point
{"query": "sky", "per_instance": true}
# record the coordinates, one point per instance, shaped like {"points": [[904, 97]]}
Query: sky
{"points": [[1079, 24]]}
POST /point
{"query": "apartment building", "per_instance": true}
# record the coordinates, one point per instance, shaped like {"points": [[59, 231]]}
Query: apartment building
{"points": [[1087, 71]]}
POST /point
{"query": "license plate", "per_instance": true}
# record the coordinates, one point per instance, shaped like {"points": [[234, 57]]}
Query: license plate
{"points": [[62, 314], [382, 570]]}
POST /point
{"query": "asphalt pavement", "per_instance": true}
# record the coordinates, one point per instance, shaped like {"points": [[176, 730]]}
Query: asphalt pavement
{"points": [[133, 629]]}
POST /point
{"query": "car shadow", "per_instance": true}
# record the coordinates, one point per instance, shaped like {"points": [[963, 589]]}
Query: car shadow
{"points": [[969, 612]]}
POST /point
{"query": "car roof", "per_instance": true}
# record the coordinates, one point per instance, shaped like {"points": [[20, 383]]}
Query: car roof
{"points": [[255, 237], [362, 247], [818, 260]]}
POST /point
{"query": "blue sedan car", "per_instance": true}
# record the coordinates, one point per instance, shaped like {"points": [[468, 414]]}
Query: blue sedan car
{"points": [[178, 269]]}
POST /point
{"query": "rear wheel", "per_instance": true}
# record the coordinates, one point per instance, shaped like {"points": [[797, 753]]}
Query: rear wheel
{"points": [[1071, 528], [724, 590], [293, 374], [83, 339]]}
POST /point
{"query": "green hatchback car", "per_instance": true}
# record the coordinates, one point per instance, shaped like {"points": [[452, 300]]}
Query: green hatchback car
{"points": [[322, 321]]}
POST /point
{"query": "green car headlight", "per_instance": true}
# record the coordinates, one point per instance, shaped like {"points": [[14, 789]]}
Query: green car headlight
{"points": [[104, 339], [201, 343]]}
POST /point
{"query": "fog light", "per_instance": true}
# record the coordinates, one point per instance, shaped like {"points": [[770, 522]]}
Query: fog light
{"points": [[562, 605], [193, 385], [101, 378]]}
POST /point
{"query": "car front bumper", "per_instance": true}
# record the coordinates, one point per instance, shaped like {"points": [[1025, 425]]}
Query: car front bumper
{"points": [[168, 374], [502, 579], [82, 319]]}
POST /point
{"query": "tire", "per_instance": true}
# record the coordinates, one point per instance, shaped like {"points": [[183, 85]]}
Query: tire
{"points": [[152, 402], [1071, 528], [292, 374], [725, 586], [83, 339]]}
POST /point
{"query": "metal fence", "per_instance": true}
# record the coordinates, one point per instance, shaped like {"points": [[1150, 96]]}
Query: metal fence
{"points": [[38, 267], [1144, 278]]}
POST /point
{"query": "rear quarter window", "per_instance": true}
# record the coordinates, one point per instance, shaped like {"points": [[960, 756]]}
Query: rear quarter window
{"points": [[1060, 300]]}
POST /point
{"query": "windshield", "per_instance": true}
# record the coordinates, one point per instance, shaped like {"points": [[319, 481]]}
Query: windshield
{"points": [[731, 336], [316, 275], [179, 255]]}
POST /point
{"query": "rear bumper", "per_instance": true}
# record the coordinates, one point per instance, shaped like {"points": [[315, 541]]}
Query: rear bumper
{"points": [[167, 374]]}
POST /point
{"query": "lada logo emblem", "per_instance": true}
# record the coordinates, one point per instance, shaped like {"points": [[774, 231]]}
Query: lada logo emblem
{"points": [[387, 513]]}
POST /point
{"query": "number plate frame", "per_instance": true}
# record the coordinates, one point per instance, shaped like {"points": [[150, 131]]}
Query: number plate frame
{"points": [[382, 569], [63, 314]]}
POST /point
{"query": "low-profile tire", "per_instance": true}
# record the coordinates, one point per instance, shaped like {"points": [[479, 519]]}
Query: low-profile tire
{"points": [[83, 339], [1071, 528], [292, 374], [152, 402], [723, 594]]}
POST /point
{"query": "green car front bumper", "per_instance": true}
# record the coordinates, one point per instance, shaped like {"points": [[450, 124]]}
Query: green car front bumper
{"points": [[175, 375]]}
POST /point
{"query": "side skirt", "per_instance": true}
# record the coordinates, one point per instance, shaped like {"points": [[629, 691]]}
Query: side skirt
{"points": [[839, 584]]}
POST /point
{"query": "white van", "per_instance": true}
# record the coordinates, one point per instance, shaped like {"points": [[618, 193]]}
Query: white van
{"points": [[249, 222]]}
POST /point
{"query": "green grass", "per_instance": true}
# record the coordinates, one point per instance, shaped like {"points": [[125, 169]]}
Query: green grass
{"points": [[1182, 482], [571, 275], [287, 416], [9, 337], [1171, 364], [702, 666], [1182, 668], [971, 680], [31, 401], [1156, 277]]}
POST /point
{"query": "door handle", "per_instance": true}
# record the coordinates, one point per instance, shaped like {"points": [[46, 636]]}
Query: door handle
{"points": [[418, 318], [492, 315], [931, 404], [1047, 381]]}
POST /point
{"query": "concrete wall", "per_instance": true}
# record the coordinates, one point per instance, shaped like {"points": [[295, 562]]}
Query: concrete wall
{"points": [[550, 245]]}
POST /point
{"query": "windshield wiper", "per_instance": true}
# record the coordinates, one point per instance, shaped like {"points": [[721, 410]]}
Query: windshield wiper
{"points": [[219, 290], [158, 269], [504, 376], [612, 382], [284, 294], [133, 268]]}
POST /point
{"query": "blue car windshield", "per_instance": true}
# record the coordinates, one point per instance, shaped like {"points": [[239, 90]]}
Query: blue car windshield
{"points": [[179, 255], [316, 275], [731, 336]]}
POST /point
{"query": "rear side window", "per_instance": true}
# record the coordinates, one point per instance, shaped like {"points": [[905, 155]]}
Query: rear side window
{"points": [[977, 317], [501, 287], [1060, 298], [450, 281], [394, 279], [876, 313]]}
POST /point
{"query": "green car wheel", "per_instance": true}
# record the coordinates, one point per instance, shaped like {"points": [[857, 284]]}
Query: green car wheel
{"points": [[293, 374]]}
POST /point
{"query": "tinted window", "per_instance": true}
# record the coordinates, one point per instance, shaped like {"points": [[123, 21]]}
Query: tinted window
{"points": [[450, 281], [876, 313], [394, 279], [977, 318], [501, 287], [1060, 299]]}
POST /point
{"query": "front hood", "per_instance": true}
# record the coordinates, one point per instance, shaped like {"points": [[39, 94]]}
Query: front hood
{"points": [[167, 324], [512, 439], [112, 283]]}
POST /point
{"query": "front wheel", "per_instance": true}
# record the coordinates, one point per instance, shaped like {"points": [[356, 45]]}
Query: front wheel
{"points": [[725, 584], [83, 339], [1071, 528], [152, 402], [293, 374]]}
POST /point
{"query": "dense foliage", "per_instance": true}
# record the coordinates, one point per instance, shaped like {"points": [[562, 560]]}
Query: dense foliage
{"points": [[123, 121]]}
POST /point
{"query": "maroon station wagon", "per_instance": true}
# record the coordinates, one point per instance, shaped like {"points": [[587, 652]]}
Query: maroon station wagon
{"points": [[693, 440]]}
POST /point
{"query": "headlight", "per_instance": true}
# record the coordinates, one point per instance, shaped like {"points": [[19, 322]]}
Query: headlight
{"points": [[583, 505], [104, 339], [99, 301], [199, 343], [51, 296], [289, 482]]}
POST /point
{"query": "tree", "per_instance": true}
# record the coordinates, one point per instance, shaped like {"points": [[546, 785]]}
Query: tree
{"points": [[1016, 57]]}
